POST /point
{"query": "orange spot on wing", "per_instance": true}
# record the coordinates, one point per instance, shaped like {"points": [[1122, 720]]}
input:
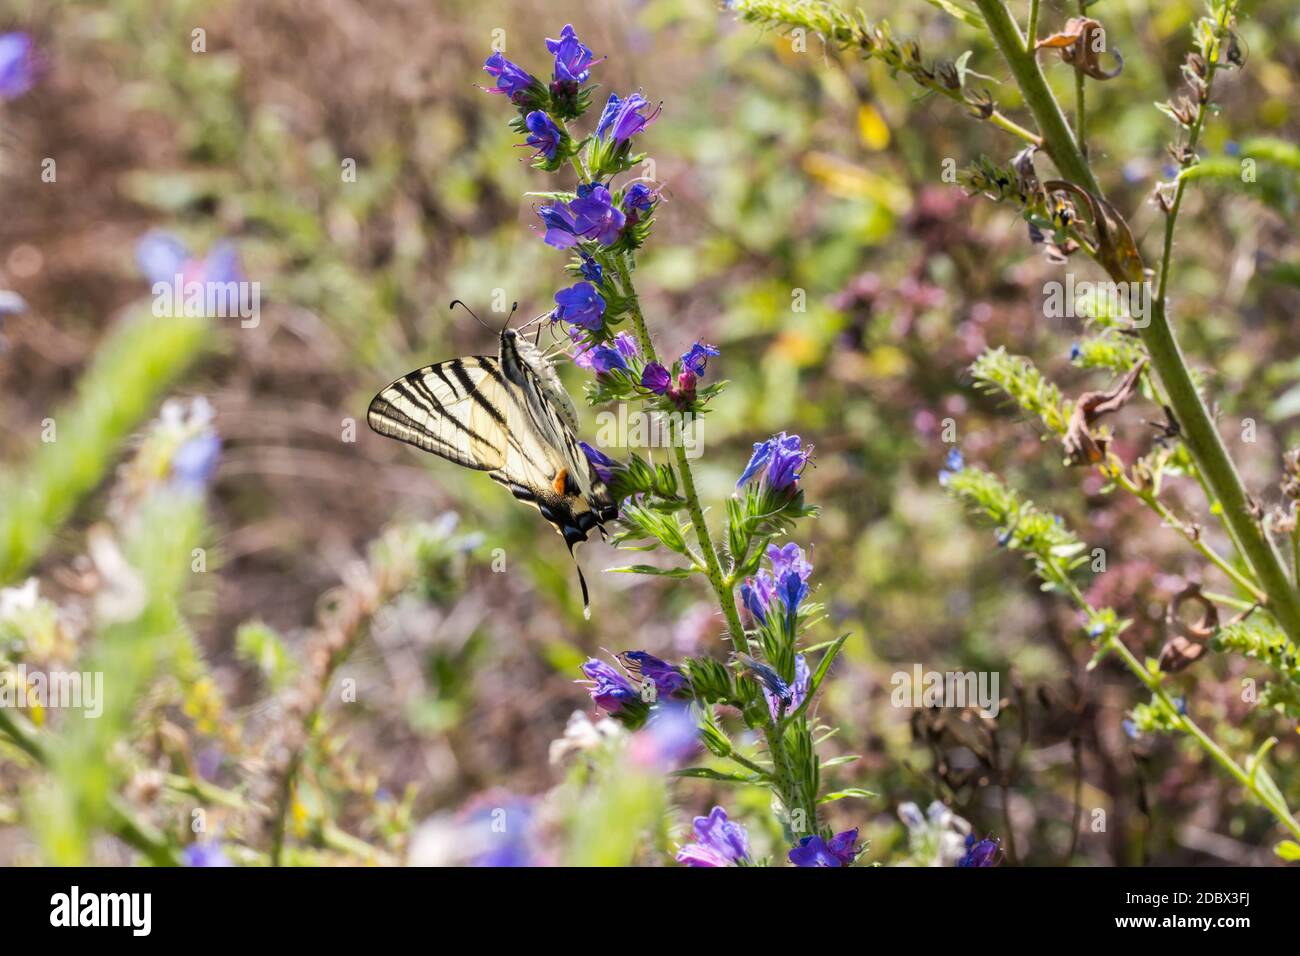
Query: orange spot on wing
{"points": [[561, 481]]}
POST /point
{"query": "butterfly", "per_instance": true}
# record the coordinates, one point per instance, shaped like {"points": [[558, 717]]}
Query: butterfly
{"points": [[510, 416]]}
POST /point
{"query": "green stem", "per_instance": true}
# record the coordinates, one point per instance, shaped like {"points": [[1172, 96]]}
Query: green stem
{"points": [[1201, 437], [1277, 808], [722, 585]]}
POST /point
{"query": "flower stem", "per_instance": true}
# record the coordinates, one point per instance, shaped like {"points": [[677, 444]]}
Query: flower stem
{"points": [[1199, 434], [712, 566]]}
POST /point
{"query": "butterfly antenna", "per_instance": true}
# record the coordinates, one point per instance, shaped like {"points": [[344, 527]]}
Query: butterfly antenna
{"points": [[458, 302], [513, 309]]}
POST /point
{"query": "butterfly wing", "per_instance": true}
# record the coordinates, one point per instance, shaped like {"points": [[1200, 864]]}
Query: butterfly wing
{"points": [[455, 409]]}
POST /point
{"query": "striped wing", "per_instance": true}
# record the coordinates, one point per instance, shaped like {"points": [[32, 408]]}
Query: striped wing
{"points": [[457, 409]]}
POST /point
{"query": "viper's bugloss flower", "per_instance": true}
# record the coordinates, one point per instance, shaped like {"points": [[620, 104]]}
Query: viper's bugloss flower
{"points": [[718, 842], [698, 357], [952, 462], [757, 594], [779, 460], [603, 359], [683, 393], [985, 852], [595, 216], [572, 58], [580, 304], [543, 134], [561, 227], [195, 461], [796, 691], [17, 65], [205, 854], [162, 257], [667, 678], [600, 462], [591, 270], [842, 850], [622, 119], [656, 378], [639, 199], [669, 738], [773, 685], [511, 80], [610, 690]]}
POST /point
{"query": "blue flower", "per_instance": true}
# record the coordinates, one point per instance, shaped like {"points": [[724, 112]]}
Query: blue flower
{"points": [[603, 359], [580, 304], [543, 134], [591, 270], [195, 461], [513, 81], [698, 357], [572, 59], [656, 378], [561, 227], [718, 842], [758, 593], [600, 462], [162, 256], [595, 216], [669, 739], [982, 853], [668, 679], [622, 119], [639, 199], [205, 854], [772, 683], [797, 691], [610, 690], [781, 459], [17, 65], [791, 571], [952, 462], [842, 850], [1076, 352]]}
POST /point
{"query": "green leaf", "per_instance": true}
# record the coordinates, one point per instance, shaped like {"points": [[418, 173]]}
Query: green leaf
{"points": [[850, 792], [1288, 850], [840, 761], [679, 573], [962, 13], [707, 773]]}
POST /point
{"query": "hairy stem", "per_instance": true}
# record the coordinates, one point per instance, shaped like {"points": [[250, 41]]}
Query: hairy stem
{"points": [[1202, 439], [712, 566]]}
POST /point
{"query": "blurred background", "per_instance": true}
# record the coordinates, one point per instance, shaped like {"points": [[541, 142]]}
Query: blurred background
{"points": [[782, 171]]}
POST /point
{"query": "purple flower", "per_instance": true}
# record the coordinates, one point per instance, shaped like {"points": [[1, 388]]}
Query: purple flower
{"points": [[683, 393], [601, 463], [639, 198], [561, 227], [625, 342], [603, 359], [718, 842], [757, 594], [815, 851], [984, 853], [610, 690], [591, 270], [543, 134], [572, 59], [668, 679], [511, 80], [791, 571], [205, 854], [195, 461], [17, 65], [795, 693], [622, 119], [656, 378], [772, 683], [580, 304], [162, 256], [781, 458], [595, 216], [698, 357], [669, 739], [952, 462]]}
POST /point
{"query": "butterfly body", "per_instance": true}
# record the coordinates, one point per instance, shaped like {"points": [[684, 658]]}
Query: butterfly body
{"points": [[510, 416]]}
